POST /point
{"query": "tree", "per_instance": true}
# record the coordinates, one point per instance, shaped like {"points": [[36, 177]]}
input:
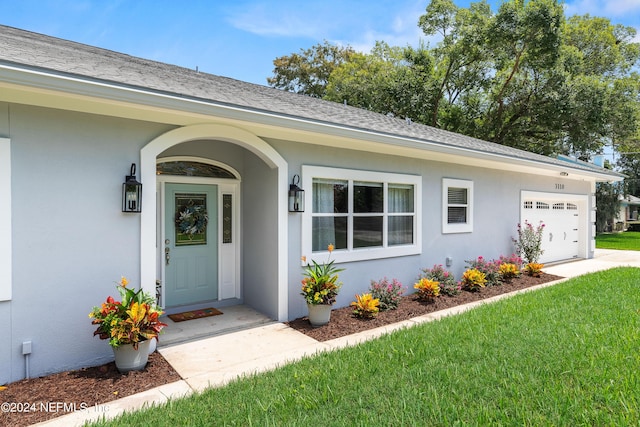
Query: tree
{"points": [[389, 80], [607, 196], [524, 76], [308, 72], [602, 89], [460, 58]]}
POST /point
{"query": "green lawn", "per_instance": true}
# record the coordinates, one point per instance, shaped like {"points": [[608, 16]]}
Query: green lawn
{"points": [[564, 355], [629, 240]]}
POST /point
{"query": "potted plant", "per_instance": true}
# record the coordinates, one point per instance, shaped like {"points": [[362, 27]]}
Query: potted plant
{"points": [[130, 325], [320, 288]]}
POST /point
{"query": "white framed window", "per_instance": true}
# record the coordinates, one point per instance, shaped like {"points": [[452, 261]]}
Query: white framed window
{"points": [[5, 219], [457, 206], [364, 214]]}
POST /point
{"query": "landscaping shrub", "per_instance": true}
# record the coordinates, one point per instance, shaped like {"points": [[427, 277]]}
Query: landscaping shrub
{"points": [[473, 280], [533, 269], [529, 241], [388, 294], [512, 259], [365, 306], [448, 285], [490, 269], [508, 271], [427, 289]]}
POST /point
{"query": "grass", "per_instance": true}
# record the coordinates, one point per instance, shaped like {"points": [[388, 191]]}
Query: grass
{"points": [[629, 240], [564, 355]]}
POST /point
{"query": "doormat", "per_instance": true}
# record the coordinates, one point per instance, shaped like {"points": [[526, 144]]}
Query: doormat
{"points": [[195, 314]]}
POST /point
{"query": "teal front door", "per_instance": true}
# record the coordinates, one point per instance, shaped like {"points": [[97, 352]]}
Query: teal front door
{"points": [[190, 244]]}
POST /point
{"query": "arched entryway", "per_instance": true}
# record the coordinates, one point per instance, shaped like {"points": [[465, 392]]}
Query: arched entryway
{"points": [[273, 283]]}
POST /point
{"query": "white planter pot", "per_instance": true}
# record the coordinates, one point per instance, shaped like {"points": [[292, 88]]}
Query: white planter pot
{"points": [[129, 359], [319, 314], [153, 344]]}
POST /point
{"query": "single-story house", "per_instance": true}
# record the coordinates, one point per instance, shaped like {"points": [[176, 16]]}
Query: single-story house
{"points": [[627, 218], [392, 195]]}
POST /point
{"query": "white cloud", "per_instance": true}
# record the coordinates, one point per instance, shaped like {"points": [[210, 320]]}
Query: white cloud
{"points": [[607, 8], [282, 20], [356, 23]]}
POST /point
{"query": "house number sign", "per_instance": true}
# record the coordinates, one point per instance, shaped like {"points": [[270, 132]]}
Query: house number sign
{"points": [[559, 186]]}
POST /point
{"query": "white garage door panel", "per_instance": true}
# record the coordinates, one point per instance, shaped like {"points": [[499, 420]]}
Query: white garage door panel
{"points": [[561, 237]]}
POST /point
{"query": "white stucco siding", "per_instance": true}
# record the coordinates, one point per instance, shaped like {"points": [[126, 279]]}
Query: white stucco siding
{"points": [[5, 220], [71, 241]]}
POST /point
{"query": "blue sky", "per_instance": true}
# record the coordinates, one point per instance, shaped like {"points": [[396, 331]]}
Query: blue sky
{"points": [[241, 38]]}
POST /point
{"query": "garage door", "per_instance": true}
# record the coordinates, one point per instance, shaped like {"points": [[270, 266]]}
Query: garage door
{"points": [[562, 218]]}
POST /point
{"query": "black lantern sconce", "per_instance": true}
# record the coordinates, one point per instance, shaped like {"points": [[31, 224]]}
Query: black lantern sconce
{"points": [[132, 193], [296, 196]]}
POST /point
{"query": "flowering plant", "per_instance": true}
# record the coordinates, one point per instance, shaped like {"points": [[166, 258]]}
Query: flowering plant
{"points": [[388, 294], [512, 259], [320, 284], [448, 285], [130, 321], [529, 241], [490, 268]]}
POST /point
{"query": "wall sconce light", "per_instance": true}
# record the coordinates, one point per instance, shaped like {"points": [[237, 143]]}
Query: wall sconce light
{"points": [[564, 174], [132, 192], [296, 195]]}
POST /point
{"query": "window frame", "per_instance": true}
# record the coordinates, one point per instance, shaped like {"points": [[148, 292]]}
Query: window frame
{"points": [[309, 173], [463, 227]]}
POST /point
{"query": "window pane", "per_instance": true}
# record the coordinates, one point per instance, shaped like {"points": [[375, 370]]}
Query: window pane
{"points": [[367, 197], [330, 196], [400, 198], [329, 230], [457, 215], [187, 168], [227, 225], [367, 231], [457, 196], [400, 230]]}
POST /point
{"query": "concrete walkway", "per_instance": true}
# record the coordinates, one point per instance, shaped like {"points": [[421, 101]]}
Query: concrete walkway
{"points": [[213, 362]]}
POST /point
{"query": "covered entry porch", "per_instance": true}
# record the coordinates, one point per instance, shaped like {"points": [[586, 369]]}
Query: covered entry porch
{"points": [[257, 267]]}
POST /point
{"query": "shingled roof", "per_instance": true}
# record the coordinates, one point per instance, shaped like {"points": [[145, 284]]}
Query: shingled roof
{"points": [[24, 49]]}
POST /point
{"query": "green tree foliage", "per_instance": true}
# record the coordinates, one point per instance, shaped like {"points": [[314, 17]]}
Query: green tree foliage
{"points": [[525, 76], [389, 80], [607, 196], [308, 72]]}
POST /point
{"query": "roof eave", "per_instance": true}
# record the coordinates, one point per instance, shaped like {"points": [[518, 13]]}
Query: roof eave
{"points": [[182, 110]]}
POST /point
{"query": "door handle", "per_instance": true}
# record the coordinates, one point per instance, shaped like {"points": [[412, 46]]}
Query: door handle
{"points": [[550, 236], [166, 255]]}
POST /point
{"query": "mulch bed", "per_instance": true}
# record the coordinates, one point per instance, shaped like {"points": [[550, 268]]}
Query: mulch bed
{"points": [[344, 323], [39, 399]]}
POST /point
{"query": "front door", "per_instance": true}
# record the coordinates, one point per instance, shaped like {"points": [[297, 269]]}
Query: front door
{"points": [[191, 244]]}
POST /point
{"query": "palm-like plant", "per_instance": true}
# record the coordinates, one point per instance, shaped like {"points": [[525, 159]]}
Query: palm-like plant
{"points": [[320, 284]]}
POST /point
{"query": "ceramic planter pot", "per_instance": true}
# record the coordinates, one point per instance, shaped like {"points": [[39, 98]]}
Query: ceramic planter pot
{"points": [[153, 344], [130, 359], [319, 314]]}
